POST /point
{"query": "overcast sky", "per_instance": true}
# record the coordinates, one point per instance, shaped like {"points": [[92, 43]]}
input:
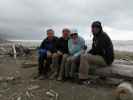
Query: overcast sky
{"points": [[28, 19]]}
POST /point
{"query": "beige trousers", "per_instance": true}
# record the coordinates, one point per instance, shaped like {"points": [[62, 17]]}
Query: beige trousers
{"points": [[87, 61]]}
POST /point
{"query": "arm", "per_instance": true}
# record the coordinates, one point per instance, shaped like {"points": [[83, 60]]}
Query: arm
{"points": [[55, 43], [75, 49], [43, 45], [70, 46], [97, 46], [92, 50], [52, 45], [79, 46], [58, 45]]}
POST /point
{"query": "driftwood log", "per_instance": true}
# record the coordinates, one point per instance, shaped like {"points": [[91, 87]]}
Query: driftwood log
{"points": [[117, 70], [14, 51]]}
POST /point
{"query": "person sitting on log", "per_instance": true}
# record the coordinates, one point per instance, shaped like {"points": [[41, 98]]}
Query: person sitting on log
{"points": [[101, 54], [47, 52], [62, 54], [75, 46]]}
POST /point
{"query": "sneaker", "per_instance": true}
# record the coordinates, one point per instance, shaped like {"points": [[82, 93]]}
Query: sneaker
{"points": [[53, 76], [59, 78], [42, 77]]}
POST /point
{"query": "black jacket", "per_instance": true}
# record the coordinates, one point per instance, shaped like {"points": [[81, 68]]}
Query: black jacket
{"points": [[49, 45], [62, 45], [102, 45]]}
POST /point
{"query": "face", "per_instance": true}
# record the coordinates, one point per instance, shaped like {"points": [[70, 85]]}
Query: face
{"points": [[74, 36], [65, 34], [95, 30], [50, 35]]}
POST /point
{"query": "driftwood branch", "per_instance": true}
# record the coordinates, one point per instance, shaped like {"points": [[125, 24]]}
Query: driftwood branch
{"points": [[14, 51]]}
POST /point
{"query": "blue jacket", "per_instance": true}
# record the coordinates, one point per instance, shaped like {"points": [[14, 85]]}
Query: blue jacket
{"points": [[47, 45], [75, 49]]}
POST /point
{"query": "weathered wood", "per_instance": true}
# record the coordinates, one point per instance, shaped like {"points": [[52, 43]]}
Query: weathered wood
{"points": [[124, 62], [29, 64], [117, 71], [14, 51]]}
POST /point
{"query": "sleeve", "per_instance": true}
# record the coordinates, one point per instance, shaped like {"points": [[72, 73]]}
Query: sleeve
{"points": [[54, 49], [79, 46], [98, 46], [43, 46], [82, 44], [70, 46], [91, 51], [58, 46], [77, 54]]}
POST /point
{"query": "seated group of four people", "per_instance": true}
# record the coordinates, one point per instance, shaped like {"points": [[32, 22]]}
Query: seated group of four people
{"points": [[67, 58]]}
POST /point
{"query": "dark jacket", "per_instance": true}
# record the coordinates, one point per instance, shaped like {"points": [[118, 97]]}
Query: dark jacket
{"points": [[49, 45], [102, 45], [62, 45]]}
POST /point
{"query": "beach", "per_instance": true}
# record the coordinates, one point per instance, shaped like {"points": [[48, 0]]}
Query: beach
{"points": [[20, 84], [23, 80]]}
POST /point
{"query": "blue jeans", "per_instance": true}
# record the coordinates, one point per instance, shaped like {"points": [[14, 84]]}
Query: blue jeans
{"points": [[43, 69]]}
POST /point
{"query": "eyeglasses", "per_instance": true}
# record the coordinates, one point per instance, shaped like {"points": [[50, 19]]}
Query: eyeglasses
{"points": [[74, 34]]}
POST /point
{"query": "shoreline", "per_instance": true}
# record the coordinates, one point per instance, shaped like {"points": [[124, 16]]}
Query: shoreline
{"points": [[119, 54]]}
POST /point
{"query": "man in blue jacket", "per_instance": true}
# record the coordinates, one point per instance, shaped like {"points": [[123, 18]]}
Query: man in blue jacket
{"points": [[47, 51]]}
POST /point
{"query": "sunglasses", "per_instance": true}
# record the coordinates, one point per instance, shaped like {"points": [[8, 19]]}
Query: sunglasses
{"points": [[74, 34]]}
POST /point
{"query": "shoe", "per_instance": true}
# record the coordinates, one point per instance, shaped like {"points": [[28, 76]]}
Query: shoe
{"points": [[83, 82], [53, 76], [59, 78], [42, 77]]}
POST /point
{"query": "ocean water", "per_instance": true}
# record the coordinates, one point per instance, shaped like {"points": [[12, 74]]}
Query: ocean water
{"points": [[118, 44], [123, 45]]}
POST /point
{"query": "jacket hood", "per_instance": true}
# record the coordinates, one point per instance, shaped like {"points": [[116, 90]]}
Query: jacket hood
{"points": [[98, 25]]}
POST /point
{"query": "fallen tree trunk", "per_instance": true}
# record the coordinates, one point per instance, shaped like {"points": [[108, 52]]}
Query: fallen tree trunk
{"points": [[116, 71]]}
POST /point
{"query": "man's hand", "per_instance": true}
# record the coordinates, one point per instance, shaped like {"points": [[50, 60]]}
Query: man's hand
{"points": [[49, 54], [59, 53]]}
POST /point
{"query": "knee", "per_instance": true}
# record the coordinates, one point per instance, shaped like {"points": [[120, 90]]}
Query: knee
{"points": [[55, 55], [65, 56], [83, 56], [69, 59]]}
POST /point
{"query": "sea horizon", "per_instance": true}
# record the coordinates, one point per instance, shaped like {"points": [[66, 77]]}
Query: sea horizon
{"points": [[120, 45]]}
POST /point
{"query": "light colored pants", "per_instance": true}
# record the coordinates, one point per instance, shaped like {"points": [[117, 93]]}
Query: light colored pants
{"points": [[87, 61], [62, 66], [55, 64], [71, 66]]}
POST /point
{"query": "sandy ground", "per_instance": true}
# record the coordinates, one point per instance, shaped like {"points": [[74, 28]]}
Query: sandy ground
{"points": [[25, 88]]}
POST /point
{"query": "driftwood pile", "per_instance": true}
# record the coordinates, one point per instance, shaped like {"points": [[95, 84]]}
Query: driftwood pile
{"points": [[13, 50]]}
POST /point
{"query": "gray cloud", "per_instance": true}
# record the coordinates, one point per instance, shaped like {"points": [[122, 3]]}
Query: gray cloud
{"points": [[29, 18]]}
